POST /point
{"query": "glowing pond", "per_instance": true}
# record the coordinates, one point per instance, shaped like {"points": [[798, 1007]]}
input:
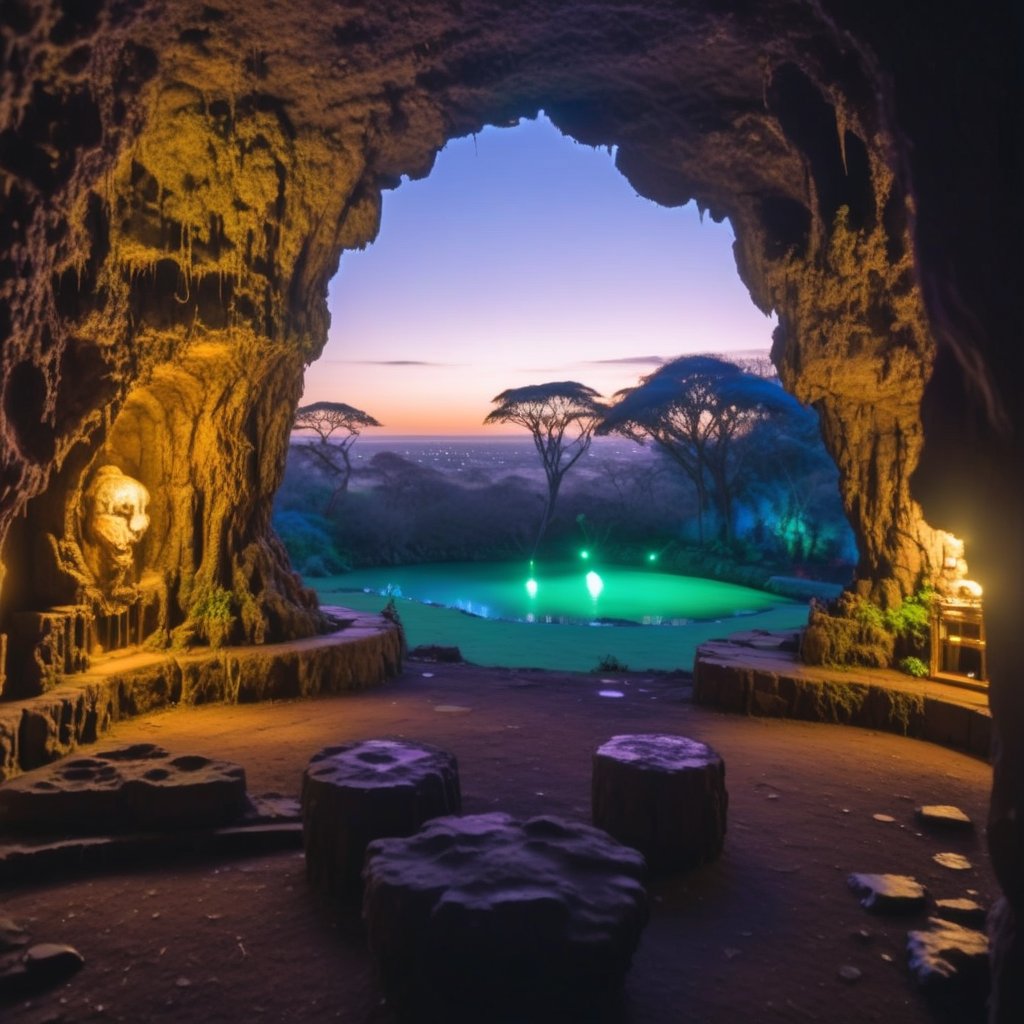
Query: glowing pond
{"points": [[565, 592]]}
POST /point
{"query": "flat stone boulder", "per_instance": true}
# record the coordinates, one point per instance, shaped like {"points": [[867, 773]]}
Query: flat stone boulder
{"points": [[951, 963], [888, 894], [134, 788], [663, 795], [485, 913], [944, 816], [368, 789], [43, 966], [962, 911]]}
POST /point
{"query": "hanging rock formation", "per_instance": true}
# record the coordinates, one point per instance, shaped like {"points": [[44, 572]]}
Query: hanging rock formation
{"points": [[180, 178]]}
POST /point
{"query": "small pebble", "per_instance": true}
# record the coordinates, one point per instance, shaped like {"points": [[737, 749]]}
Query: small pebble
{"points": [[849, 973]]}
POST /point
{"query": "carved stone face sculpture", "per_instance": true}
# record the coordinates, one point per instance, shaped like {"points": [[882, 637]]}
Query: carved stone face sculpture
{"points": [[114, 521]]}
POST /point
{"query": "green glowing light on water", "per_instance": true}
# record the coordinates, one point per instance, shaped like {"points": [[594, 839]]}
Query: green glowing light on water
{"points": [[531, 587], [594, 584], [641, 594]]}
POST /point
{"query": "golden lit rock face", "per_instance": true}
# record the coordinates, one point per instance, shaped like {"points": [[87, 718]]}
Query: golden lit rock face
{"points": [[182, 180]]}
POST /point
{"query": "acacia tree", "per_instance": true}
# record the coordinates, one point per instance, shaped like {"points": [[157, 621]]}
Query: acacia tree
{"points": [[337, 427], [561, 417], [694, 409]]}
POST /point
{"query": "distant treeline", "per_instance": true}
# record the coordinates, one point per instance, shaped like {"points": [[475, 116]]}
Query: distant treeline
{"points": [[788, 517]]}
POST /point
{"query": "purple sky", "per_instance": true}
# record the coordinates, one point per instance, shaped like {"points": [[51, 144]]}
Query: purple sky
{"points": [[524, 257]]}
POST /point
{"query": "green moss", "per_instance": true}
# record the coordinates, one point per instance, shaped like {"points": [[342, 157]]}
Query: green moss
{"points": [[904, 705], [838, 702]]}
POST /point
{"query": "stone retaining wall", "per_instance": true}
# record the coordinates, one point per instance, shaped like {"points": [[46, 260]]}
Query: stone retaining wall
{"points": [[36, 731], [758, 676]]}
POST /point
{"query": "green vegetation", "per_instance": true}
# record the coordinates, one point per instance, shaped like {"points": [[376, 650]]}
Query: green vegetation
{"points": [[854, 631], [903, 707], [913, 666], [212, 615], [609, 663]]}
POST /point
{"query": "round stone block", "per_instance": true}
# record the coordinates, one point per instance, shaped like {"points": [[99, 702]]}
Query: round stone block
{"points": [[663, 795], [364, 790], [488, 915]]}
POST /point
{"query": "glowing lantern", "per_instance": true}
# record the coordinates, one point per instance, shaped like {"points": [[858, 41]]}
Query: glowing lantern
{"points": [[531, 587], [594, 584]]}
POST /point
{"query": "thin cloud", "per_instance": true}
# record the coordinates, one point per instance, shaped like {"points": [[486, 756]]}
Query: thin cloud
{"points": [[386, 362], [629, 361]]}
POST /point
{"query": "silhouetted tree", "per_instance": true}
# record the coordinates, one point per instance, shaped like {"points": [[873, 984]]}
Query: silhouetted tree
{"points": [[560, 416], [337, 427], [694, 409]]}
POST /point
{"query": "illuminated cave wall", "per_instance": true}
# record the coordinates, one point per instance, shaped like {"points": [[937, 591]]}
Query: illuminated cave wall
{"points": [[183, 177], [179, 179]]}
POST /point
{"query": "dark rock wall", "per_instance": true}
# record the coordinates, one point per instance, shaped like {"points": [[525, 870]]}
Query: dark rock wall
{"points": [[179, 179]]}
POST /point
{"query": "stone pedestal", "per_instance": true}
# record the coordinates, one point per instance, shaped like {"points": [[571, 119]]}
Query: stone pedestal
{"points": [[365, 790], [663, 795], [477, 917]]}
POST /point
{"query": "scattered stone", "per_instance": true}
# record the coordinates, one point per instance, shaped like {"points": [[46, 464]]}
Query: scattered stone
{"points": [[663, 795], [272, 808], [610, 693], [944, 816], [130, 788], [366, 790], [850, 973], [951, 963], [888, 894], [490, 912], [953, 861], [452, 709], [962, 911], [435, 652], [51, 963], [12, 935], [887, 818], [863, 935]]}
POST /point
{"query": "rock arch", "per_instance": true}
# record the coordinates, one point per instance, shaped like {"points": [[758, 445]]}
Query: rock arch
{"points": [[180, 178]]}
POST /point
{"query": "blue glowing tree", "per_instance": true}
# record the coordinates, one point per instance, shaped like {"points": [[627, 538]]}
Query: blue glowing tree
{"points": [[697, 409], [561, 417]]}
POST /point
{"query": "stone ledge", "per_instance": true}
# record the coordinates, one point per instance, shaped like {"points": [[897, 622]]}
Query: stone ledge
{"points": [[38, 730], [758, 673], [26, 861]]}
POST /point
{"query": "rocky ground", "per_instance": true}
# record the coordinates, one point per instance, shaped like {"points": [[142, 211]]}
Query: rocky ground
{"points": [[771, 931]]}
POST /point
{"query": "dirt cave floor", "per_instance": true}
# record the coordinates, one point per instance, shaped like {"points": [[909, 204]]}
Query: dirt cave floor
{"points": [[760, 935]]}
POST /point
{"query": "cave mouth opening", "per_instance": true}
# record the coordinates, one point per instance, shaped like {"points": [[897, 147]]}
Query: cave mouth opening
{"points": [[524, 257]]}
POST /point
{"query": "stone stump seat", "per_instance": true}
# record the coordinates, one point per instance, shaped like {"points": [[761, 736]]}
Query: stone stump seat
{"points": [[664, 795], [478, 916], [364, 790]]}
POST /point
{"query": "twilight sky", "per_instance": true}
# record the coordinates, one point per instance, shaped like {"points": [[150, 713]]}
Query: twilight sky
{"points": [[524, 257]]}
